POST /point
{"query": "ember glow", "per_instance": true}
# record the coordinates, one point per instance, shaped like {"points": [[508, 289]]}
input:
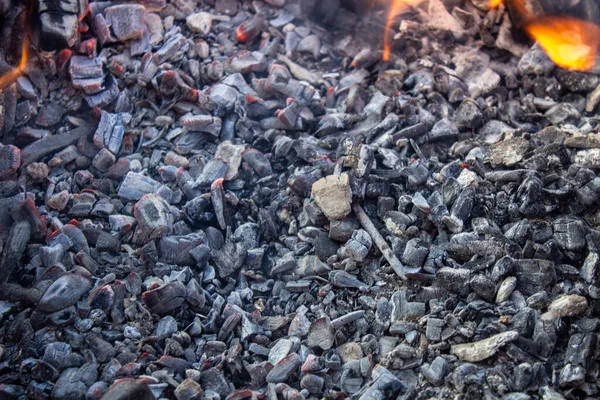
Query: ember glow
{"points": [[569, 42], [397, 7], [10, 77]]}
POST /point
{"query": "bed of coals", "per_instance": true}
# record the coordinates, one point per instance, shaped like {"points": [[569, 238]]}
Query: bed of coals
{"points": [[236, 199]]}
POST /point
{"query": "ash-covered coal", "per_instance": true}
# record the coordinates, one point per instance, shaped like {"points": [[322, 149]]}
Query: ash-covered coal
{"points": [[191, 207]]}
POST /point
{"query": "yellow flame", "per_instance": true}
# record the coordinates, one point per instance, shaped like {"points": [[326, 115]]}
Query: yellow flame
{"points": [[10, 77], [569, 42], [397, 7], [495, 3]]}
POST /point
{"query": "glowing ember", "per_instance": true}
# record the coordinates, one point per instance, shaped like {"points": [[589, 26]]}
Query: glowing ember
{"points": [[569, 42], [398, 6], [10, 77]]}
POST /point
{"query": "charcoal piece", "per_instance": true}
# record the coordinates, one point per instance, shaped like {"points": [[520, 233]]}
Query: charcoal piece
{"points": [[228, 258], [126, 20], [84, 68], [58, 23], [50, 115], [178, 249], [302, 180], [153, 217], [502, 268], [245, 62], [468, 115], [534, 275], [258, 162], [222, 98], [10, 161], [135, 186], [213, 379], [103, 160], [18, 238], [581, 349], [69, 385], [569, 234], [111, 131], [213, 170], [249, 30], [165, 298], [524, 322], [105, 97], [483, 286], [189, 389], [129, 388], [443, 129], [64, 292], [345, 280], [544, 337], [434, 329], [436, 371], [454, 280], [203, 123], [217, 198], [414, 253], [562, 113], [285, 263]]}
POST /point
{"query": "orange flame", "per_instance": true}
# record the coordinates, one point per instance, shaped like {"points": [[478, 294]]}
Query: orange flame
{"points": [[397, 7], [10, 77], [495, 4], [569, 42]]}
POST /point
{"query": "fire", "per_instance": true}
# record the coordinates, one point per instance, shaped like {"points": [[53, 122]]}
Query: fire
{"points": [[10, 77], [569, 42], [397, 7], [495, 3]]}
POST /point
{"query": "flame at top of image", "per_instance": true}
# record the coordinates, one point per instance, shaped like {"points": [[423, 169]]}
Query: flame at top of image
{"points": [[397, 7], [571, 43], [11, 76]]}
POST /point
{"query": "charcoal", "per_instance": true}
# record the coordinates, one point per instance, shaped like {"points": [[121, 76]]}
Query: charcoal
{"points": [[436, 371], [534, 275], [203, 123], [213, 170], [165, 298], [569, 234], [111, 130], [128, 388], [11, 161], [18, 238], [153, 217], [64, 292], [135, 186], [245, 62], [58, 22], [126, 20]]}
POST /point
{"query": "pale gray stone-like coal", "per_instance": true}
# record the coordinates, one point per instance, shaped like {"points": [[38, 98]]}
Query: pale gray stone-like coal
{"points": [[239, 199]]}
